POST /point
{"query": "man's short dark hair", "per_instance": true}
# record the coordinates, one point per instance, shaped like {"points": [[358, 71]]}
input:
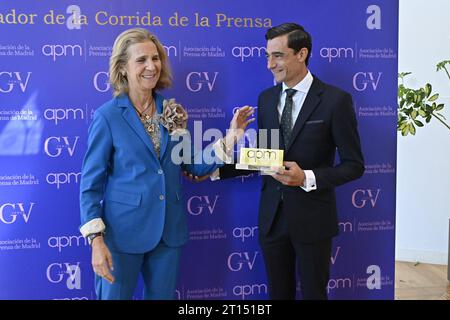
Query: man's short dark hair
{"points": [[298, 38]]}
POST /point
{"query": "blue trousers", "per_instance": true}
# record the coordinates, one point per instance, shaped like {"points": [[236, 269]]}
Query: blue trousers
{"points": [[159, 269]]}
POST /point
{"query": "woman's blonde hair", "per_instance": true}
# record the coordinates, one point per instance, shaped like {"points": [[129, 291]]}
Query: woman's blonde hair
{"points": [[119, 59]]}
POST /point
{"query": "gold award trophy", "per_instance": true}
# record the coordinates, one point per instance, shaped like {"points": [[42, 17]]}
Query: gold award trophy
{"points": [[264, 160]]}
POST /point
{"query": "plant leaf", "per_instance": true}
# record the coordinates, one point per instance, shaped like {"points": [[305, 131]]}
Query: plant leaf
{"points": [[418, 123], [439, 107], [434, 97], [428, 89]]}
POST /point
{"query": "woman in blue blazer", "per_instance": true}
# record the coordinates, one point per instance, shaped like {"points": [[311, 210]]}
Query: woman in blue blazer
{"points": [[130, 190]]}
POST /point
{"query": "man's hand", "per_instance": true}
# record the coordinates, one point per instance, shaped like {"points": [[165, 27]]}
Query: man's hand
{"points": [[193, 178], [292, 176], [102, 260]]}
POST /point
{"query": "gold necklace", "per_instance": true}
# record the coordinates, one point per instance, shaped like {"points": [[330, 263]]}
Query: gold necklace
{"points": [[150, 122], [145, 116]]}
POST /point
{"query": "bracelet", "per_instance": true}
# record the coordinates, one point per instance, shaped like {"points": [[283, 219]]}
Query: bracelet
{"points": [[92, 236], [225, 147]]}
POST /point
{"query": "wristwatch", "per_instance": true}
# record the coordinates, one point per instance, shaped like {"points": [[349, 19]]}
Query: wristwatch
{"points": [[92, 236]]}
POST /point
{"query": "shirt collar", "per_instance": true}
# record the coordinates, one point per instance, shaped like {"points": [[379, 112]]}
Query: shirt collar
{"points": [[302, 86]]}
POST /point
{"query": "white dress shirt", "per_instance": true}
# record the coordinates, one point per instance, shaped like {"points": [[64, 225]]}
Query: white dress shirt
{"points": [[299, 98]]}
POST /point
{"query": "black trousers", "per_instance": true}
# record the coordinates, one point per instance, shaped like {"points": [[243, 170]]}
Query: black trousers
{"points": [[284, 259]]}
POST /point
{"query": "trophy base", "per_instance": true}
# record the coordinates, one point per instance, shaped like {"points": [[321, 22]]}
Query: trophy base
{"points": [[264, 170]]}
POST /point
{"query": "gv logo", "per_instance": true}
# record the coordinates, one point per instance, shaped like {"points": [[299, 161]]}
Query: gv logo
{"points": [[57, 50], [101, 81], [53, 146], [62, 178], [362, 197], [196, 80], [63, 114], [374, 280], [10, 211], [335, 255], [8, 80], [248, 52], [237, 260], [249, 290], [57, 271], [362, 79], [197, 204], [374, 20]]}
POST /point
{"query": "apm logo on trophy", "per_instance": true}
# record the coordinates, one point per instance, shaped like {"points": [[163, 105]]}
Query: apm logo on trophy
{"points": [[265, 160]]}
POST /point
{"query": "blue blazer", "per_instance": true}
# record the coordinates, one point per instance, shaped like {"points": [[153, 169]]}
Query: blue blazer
{"points": [[137, 195]]}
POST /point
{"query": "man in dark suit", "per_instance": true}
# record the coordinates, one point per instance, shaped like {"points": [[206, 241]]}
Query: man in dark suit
{"points": [[297, 211]]}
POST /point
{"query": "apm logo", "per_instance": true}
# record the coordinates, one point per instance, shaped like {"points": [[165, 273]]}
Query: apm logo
{"points": [[345, 226], [238, 260], [244, 232], [57, 272], [336, 53], [261, 157], [10, 211], [66, 241], [248, 52], [60, 178], [360, 198], [10, 80], [54, 146], [195, 81], [362, 80], [171, 51], [59, 114], [246, 290], [196, 204], [57, 50], [341, 283]]}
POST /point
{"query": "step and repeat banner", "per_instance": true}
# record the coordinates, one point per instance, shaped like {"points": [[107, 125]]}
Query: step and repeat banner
{"points": [[54, 74]]}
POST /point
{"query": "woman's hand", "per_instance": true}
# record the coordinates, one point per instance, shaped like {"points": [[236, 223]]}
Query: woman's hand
{"points": [[102, 260], [238, 125]]}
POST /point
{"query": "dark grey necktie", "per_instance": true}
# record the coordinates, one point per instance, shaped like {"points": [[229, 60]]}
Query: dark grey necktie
{"points": [[286, 116]]}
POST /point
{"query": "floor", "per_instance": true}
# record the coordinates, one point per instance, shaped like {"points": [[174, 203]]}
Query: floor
{"points": [[420, 281]]}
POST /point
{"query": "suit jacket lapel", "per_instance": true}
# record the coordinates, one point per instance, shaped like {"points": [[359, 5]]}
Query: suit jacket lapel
{"points": [[135, 123], [164, 133], [311, 102]]}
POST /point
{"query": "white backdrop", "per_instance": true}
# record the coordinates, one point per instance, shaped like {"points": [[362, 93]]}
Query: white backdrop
{"points": [[423, 160]]}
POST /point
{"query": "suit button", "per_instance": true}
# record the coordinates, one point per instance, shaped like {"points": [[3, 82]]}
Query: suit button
{"points": [[278, 188], [161, 197], [160, 171]]}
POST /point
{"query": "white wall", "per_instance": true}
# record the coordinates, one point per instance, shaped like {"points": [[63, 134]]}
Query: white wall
{"points": [[423, 160]]}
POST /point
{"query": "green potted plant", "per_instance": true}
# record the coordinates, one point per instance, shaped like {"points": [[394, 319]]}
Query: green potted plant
{"points": [[415, 105]]}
